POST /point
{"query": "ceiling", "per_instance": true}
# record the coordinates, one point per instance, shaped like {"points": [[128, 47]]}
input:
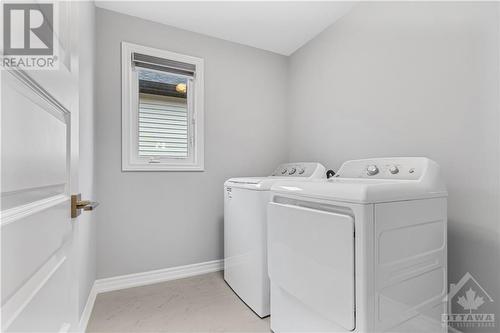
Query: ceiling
{"points": [[281, 27]]}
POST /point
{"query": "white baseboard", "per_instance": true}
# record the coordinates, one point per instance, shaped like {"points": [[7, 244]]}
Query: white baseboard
{"points": [[87, 311], [145, 278], [160, 275]]}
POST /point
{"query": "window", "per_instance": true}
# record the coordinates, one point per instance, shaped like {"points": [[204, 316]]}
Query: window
{"points": [[162, 110]]}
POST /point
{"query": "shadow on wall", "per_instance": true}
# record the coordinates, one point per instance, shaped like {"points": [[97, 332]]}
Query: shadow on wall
{"points": [[467, 241], [220, 228]]}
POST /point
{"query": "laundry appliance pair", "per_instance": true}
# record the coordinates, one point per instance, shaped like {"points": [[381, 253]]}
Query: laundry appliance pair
{"points": [[363, 251]]}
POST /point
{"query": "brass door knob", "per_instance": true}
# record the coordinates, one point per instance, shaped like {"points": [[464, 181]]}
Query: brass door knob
{"points": [[77, 205]]}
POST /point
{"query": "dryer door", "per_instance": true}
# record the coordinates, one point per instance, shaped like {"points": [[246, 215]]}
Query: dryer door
{"points": [[311, 257]]}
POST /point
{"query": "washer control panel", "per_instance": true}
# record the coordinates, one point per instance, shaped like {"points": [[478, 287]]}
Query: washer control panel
{"points": [[372, 170], [302, 169], [403, 168]]}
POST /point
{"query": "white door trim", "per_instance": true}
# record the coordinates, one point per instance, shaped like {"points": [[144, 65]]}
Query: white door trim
{"points": [[87, 311], [17, 213]]}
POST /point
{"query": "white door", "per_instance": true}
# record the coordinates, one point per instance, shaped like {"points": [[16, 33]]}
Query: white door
{"points": [[311, 257], [39, 134]]}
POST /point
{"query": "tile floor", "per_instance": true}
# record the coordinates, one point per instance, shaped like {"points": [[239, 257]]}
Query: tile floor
{"points": [[202, 303]]}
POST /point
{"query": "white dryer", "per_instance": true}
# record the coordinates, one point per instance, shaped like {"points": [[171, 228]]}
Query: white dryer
{"points": [[364, 251], [245, 228]]}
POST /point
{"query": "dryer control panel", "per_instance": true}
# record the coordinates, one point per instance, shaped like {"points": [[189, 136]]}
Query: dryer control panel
{"points": [[300, 169], [402, 168]]}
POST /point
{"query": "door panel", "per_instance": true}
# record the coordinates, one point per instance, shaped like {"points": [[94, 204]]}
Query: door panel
{"points": [[39, 151], [37, 282], [311, 257], [49, 304], [29, 242], [36, 134]]}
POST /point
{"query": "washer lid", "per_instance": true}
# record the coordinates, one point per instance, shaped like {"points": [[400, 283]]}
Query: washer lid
{"points": [[246, 180], [256, 183], [251, 183], [374, 180]]}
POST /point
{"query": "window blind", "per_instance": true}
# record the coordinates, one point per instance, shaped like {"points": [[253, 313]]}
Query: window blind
{"points": [[163, 130], [162, 64]]}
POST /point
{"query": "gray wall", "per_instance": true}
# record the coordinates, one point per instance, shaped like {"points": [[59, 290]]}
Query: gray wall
{"points": [[86, 225], [397, 79], [154, 220], [411, 79]]}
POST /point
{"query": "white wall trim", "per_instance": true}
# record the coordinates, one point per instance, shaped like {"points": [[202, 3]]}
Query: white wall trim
{"points": [[87, 311], [160, 275], [145, 278]]}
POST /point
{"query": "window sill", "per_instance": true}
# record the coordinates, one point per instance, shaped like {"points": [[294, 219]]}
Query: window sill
{"points": [[159, 167]]}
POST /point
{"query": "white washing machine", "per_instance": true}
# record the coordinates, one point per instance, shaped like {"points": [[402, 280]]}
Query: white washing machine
{"points": [[364, 251], [245, 228]]}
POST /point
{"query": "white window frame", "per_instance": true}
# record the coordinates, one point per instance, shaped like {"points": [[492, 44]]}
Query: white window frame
{"points": [[131, 161]]}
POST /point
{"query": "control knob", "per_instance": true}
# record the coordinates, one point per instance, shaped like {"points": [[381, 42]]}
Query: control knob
{"points": [[301, 171], [283, 171], [394, 169], [372, 170], [292, 171]]}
